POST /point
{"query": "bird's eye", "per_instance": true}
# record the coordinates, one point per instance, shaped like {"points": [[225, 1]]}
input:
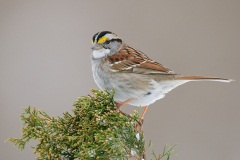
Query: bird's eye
{"points": [[107, 42]]}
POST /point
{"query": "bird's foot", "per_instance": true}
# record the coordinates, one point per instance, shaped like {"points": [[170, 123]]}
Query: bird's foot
{"points": [[139, 124], [119, 104]]}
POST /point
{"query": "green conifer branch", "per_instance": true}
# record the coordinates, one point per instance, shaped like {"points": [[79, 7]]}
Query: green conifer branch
{"points": [[95, 130]]}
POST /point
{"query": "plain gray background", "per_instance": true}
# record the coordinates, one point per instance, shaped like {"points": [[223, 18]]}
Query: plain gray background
{"points": [[45, 62]]}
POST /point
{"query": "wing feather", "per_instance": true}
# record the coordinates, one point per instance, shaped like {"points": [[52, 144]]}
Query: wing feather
{"points": [[129, 59]]}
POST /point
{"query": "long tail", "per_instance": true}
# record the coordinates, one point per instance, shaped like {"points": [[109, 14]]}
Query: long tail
{"points": [[202, 78]]}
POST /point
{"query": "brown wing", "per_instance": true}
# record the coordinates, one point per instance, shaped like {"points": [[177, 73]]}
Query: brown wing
{"points": [[129, 59]]}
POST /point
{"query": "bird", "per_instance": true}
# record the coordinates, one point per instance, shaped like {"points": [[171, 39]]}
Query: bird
{"points": [[135, 78]]}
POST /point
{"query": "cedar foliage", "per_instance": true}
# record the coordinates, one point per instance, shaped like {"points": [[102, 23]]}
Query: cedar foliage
{"points": [[94, 130]]}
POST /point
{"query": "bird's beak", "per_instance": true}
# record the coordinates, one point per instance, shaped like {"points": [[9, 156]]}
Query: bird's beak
{"points": [[96, 46]]}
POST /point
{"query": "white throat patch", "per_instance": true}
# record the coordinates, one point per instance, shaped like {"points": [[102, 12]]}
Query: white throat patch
{"points": [[100, 53]]}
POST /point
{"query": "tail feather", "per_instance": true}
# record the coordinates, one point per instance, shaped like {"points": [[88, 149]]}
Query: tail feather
{"points": [[202, 78]]}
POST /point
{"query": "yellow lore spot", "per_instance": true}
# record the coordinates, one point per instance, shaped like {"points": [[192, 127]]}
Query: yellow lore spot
{"points": [[102, 39]]}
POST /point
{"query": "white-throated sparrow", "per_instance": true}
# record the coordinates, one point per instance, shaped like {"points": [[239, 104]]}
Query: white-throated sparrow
{"points": [[136, 79]]}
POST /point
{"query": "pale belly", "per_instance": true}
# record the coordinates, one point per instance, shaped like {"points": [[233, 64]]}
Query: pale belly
{"points": [[140, 88]]}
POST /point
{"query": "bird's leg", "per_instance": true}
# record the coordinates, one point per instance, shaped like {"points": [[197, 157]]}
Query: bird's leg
{"points": [[140, 122], [139, 126], [122, 103], [144, 111], [118, 105]]}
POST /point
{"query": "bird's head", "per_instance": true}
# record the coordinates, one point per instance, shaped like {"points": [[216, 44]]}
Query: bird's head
{"points": [[105, 43]]}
